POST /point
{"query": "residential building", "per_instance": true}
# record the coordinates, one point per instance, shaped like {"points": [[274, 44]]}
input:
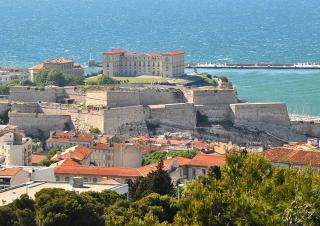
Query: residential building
{"points": [[76, 184], [12, 177], [15, 149], [64, 65], [295, 155], [9, 74], [118, 62], [110, 155], [70, 138], [179, 168]]}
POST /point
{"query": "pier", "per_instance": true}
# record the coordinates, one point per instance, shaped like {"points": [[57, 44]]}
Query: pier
{"points": [[253, 66]]}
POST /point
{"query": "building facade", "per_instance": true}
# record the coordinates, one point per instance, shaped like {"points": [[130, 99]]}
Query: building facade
{"points": [[9, 74], [118, 62], [15, 150], [64, 65]]}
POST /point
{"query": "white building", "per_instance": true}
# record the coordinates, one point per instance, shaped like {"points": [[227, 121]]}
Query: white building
{"points": [[15, 150], [118, 62], [9, 74], [76, 184]]}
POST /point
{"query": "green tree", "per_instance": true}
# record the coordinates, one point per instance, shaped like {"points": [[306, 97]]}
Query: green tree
{"points": [[55, 77], [57, 207], [158, 181], [95, 131]]}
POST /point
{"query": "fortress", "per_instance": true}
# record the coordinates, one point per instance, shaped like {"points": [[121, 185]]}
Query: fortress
{"points": [[128, 110]]}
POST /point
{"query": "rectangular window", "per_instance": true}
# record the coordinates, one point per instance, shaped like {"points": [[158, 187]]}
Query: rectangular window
{"points": [[94, 180], [67, 179]]}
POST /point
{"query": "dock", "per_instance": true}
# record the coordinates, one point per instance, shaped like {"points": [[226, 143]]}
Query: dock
{"points": [[253, 66]]}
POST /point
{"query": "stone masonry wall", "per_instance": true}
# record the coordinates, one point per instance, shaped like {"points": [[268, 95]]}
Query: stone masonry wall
{"points": [[122, 98], [81, 119], [31, 122], [308, 128], [155, 96], [77, 94], [116, 117], [215, 113], [181, 115], [260, 113], [210, 97], [96, 97], [35, 94]]}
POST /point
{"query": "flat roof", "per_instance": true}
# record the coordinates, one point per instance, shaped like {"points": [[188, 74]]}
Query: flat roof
{"points": [[8, 195]]}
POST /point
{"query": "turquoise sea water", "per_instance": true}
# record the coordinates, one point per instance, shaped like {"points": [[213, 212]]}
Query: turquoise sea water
{"points": [[242, 31]]}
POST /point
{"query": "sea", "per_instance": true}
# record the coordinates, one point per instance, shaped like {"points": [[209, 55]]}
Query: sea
{"points": [[227, 31]]}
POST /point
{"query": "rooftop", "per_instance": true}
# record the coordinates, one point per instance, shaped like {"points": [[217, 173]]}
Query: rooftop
{"points": [[59, 60], [128, 54], [9, 172], [12, 193], [298, 154]]}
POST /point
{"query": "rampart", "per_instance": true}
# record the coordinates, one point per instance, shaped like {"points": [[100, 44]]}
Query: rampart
{"points": [[308, 128], [36, 94], [116, 117], [215, 113], [132, 97], [181, 115], [211, 97], [112, 108], [32, 122], [260, 113]]}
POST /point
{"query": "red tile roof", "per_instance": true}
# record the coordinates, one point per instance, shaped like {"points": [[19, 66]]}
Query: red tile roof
{"points": [[114, 51], [58, 140], [205, 160], [37, 159], [109, 181], [97, 171], [69, 162], [293, 156], [37, 67], [121, 51], [77, 153], [9, 172], [67, 136], [59, 60]]}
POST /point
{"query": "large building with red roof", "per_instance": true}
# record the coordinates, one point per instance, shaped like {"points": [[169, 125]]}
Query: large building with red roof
{"points": [[179, 169], [119, 62]]}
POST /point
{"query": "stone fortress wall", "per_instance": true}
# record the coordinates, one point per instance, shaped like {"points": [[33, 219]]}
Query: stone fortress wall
{"points": [[111, 108], [260, 113]]}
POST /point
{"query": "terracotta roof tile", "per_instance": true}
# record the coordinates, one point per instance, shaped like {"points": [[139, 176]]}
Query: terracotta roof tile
{"points": [[293, 156], [97, 171], [207, 160], [9, 172], [37, 159]]}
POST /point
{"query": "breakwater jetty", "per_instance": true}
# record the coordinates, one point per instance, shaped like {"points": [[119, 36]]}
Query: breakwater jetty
{"points": [[253, 66]]}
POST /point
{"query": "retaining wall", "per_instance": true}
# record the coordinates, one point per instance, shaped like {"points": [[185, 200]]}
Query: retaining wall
{"points": [[260, 113]]}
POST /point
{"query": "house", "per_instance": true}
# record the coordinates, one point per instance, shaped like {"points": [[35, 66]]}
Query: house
{"points": [[179, 169], [110, 155], [70, 138], [9, 74], [294, 155], [12, 177]]}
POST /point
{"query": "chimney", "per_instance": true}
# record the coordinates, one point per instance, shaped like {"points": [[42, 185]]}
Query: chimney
{"points": [[77, 182]]}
